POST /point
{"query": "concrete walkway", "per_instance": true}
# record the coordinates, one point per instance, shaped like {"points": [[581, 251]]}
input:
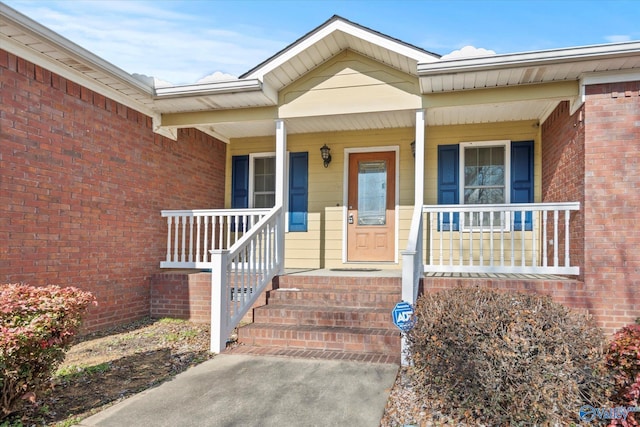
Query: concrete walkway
{"points": [[240, 390]]}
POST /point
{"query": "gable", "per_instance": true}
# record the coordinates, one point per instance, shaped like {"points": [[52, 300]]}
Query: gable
{"points": [[349, 83]]}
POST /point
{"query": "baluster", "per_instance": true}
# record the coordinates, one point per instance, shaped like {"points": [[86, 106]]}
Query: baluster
{"points": [[534, 249], [544, 238], [555, 238], [184, 235], [220, 220], [168, 239], [451, 240], [522, 239], [430, 216], [512, 223], [470, 238], [567, 262], [461, 217], [441, 217], [491, 237], [503, 220], [198, 239], [205, 255], [481, 223]]}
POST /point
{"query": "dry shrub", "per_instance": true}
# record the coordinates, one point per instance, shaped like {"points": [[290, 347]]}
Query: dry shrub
{"points": [[506, 358], [623, 359]]}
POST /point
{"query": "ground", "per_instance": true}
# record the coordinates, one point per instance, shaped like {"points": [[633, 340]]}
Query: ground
{"points": [[106, 367]]}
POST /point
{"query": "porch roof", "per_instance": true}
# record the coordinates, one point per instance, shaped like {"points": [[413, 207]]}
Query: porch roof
{"points": [[548, 77]]}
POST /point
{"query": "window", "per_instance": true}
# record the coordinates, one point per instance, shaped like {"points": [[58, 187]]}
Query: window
{"points": [[253, 184], [263, 181], [486, 172], [485, 180]]}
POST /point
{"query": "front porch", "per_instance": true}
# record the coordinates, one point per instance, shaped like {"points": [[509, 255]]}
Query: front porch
{"points": [[329, 314]]}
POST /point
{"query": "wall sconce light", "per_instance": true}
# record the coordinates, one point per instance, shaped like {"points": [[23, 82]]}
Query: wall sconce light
{"points": [[326, 155], [413, 149]]}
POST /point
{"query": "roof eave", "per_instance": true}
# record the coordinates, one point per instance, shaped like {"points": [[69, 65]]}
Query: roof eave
{"points": [[82, 55], [548, 57], [212, 88]]}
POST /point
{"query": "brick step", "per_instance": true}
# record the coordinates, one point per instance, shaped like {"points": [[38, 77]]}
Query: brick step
{"points": [[335, 298], [286, 314], [365, 284], [357, 340]]}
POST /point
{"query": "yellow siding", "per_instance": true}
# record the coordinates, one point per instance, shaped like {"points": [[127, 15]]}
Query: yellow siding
{"points": [[322, 245], [350, 83], [442, 135]]}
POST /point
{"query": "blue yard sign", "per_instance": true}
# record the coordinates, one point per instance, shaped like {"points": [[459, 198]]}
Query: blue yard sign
{"points": [[403, 316]]}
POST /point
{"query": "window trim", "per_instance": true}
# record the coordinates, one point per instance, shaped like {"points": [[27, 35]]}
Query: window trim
{"points": [[507, 177]]}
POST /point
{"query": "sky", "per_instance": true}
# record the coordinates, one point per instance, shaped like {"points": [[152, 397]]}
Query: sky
{"points": [[189, 41]]}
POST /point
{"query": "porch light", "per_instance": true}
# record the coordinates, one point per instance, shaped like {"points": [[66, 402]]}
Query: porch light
{"points": [[326, 155], [413, 148]]}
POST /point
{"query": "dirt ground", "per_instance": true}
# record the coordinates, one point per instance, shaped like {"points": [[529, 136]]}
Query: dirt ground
{"points": [[106, 367]]}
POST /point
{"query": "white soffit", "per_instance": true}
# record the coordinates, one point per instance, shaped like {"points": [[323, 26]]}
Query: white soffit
{"points": [[527, 68]]}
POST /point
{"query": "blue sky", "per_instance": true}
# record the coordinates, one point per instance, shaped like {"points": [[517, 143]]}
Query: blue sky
{"points": [[184, 41]]}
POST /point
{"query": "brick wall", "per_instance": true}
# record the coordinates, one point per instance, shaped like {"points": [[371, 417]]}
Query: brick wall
{"points": [[82, 183], [612, 204], [563, 176]]}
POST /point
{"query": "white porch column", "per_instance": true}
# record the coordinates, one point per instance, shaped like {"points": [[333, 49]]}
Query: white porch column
{"points": [[419, 160], [281, 187]]}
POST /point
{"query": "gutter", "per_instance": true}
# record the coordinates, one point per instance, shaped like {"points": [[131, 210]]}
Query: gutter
{"points": [[83, 56], [539, 58], [213, 88]]}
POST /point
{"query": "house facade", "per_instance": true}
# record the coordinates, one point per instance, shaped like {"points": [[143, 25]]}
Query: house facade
{"points": [[348, 150]]}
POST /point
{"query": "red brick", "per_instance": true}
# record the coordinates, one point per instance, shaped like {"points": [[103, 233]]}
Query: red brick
{"points": [[94, 221]]}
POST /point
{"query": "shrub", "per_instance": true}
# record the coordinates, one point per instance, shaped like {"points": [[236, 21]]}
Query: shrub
{"points": [[506, 358], [623, 359], [36, 328]]}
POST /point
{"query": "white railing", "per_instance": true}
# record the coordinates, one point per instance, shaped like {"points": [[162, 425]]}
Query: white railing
{"points": [[515, 238], [192, 234], [241, 273]]}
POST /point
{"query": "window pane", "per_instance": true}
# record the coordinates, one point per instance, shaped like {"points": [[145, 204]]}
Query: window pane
{"points": [[264, 182], [372, 193], [484, 175]]}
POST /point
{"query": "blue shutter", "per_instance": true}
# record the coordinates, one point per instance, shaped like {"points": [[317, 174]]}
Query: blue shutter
{"points": [[239, 185], [298, 193], [239, 182], [448, 177], [522, 180]]}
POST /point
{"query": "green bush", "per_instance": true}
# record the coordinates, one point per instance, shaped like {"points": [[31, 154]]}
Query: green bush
{"points": [[506, 358], [623, 359], [37, 325]]}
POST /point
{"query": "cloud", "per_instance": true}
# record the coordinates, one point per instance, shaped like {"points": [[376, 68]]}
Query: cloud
{"points": [[468, 52], [153, 40], [217, 76], [617, 38]]}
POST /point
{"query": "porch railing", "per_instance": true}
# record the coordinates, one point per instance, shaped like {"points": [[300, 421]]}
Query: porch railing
{"points": [[241, 273], [507, 238], [192, 234]]}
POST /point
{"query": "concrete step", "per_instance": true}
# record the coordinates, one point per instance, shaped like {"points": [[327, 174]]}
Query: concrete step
{"points": [[356, 317], [357, 340]]}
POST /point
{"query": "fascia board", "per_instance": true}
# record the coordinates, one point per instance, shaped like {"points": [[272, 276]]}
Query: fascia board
{"points": [[80, 54], [547, 57], [244, 85], [346, 28]]}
